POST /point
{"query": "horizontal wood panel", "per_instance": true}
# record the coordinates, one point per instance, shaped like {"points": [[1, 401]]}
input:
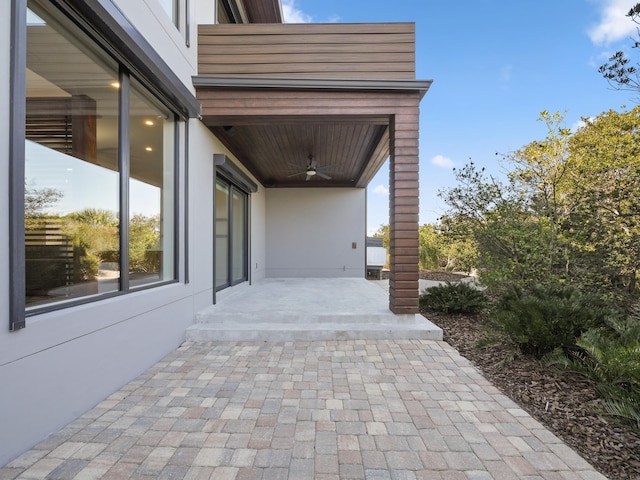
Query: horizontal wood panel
{"points": [[402, 41], [206, 49], [304, 28], [373, 51], [302, 59], [310, 70]]}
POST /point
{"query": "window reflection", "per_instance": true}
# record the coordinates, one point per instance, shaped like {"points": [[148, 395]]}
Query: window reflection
{"points": [[71, 168], [151, 229]]}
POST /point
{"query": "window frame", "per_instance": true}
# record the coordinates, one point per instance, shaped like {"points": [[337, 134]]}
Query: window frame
{"points": [[105, 25], [17, 132], [234, 178], [232, 187]]}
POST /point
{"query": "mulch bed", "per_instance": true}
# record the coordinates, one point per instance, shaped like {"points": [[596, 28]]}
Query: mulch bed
{"points": [[565, 403]]}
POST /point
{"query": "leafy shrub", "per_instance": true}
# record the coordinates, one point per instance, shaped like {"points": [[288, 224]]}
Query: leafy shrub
{"points": [[451, 297], [610, 356], [545, 318]]}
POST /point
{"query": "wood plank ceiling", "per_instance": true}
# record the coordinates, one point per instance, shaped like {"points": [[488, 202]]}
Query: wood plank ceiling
{"points": [[277, 154]]}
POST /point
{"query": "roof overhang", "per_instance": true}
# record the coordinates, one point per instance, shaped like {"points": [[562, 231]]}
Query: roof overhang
{"points": [[344, 84], [273, 125]]}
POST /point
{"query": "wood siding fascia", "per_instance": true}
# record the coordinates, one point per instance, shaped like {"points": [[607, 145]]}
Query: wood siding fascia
{"points": [[403, 212], [361, 51]]}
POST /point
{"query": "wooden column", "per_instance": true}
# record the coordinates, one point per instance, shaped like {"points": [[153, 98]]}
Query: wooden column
{"points": [[403, 211]]}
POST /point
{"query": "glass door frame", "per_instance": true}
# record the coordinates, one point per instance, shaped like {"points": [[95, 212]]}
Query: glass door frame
{"points": [[231, 188]]}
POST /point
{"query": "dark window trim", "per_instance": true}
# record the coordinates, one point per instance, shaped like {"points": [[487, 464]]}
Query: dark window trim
{"points": [[134, 51], [124, 167], [214, 231], [234, 179], [176, 14], [17, 305], [236, 176], [186, 203], [17, 127], [187, 24], [227, 172], [176, 198], [245, 240]]}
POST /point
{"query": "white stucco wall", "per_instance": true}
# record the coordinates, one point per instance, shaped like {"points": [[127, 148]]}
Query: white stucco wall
{"points": [[65, 362], [310, 232], [258, 232], [153, 22]]}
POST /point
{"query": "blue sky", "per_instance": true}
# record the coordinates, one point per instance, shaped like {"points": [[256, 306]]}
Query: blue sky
{"points": [[495, 66]]}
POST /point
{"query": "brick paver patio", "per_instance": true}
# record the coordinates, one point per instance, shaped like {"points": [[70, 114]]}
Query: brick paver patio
{"points": [[360, 409]]}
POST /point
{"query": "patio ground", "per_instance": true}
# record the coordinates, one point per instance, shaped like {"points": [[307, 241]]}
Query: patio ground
{"points": [[349, 409]]}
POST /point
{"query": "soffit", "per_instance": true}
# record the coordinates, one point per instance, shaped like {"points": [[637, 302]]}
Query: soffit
{"points": [[347, 150]]}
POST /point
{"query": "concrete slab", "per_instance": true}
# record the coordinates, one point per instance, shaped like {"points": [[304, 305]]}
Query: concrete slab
{"points": [[287, 309]]}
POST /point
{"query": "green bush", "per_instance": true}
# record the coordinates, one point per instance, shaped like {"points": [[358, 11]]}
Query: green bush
{"points": [[610, 356], [544, 318], [453, 298]]}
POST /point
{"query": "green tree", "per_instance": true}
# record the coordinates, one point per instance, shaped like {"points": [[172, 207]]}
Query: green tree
{"points": [[144, 243], [566, 214], [619, 71], [516, 223], [36, 200], [95, 238], [604, 188], [384, 233], [430, 247]]}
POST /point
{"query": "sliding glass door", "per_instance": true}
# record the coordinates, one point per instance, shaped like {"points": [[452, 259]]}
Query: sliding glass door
{"points": [[231, 243]]}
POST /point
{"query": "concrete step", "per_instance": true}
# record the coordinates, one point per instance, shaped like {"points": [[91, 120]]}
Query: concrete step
{"points": [[307, 309], [308, 331]]}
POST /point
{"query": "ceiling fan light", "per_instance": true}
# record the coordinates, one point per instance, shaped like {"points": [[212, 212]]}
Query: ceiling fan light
{"points": [[311, 172]]}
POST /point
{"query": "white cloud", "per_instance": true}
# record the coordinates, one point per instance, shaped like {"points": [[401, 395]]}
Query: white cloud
{"points": [[614, 24], [381, 190], [293, 14], [442, 161], [581, 124]]}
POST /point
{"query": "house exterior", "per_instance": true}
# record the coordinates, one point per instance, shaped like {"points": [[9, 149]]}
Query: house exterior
{"points": [[158, 152]]}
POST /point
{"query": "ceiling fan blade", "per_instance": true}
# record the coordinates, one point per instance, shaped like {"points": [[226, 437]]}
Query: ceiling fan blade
{"points": [[308, 178], [326, 167], [326, 177], [296, 174]]}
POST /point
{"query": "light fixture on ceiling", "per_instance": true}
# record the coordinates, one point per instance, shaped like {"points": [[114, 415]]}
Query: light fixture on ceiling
{"points": [[313, 170], [115, 84], [149, 123], [149, 149]]}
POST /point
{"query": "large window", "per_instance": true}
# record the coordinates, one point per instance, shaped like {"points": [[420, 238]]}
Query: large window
{"points": [[99, 170]]}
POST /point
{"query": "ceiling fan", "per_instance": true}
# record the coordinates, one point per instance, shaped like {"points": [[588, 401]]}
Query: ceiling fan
{"points": [[313, 170]]}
